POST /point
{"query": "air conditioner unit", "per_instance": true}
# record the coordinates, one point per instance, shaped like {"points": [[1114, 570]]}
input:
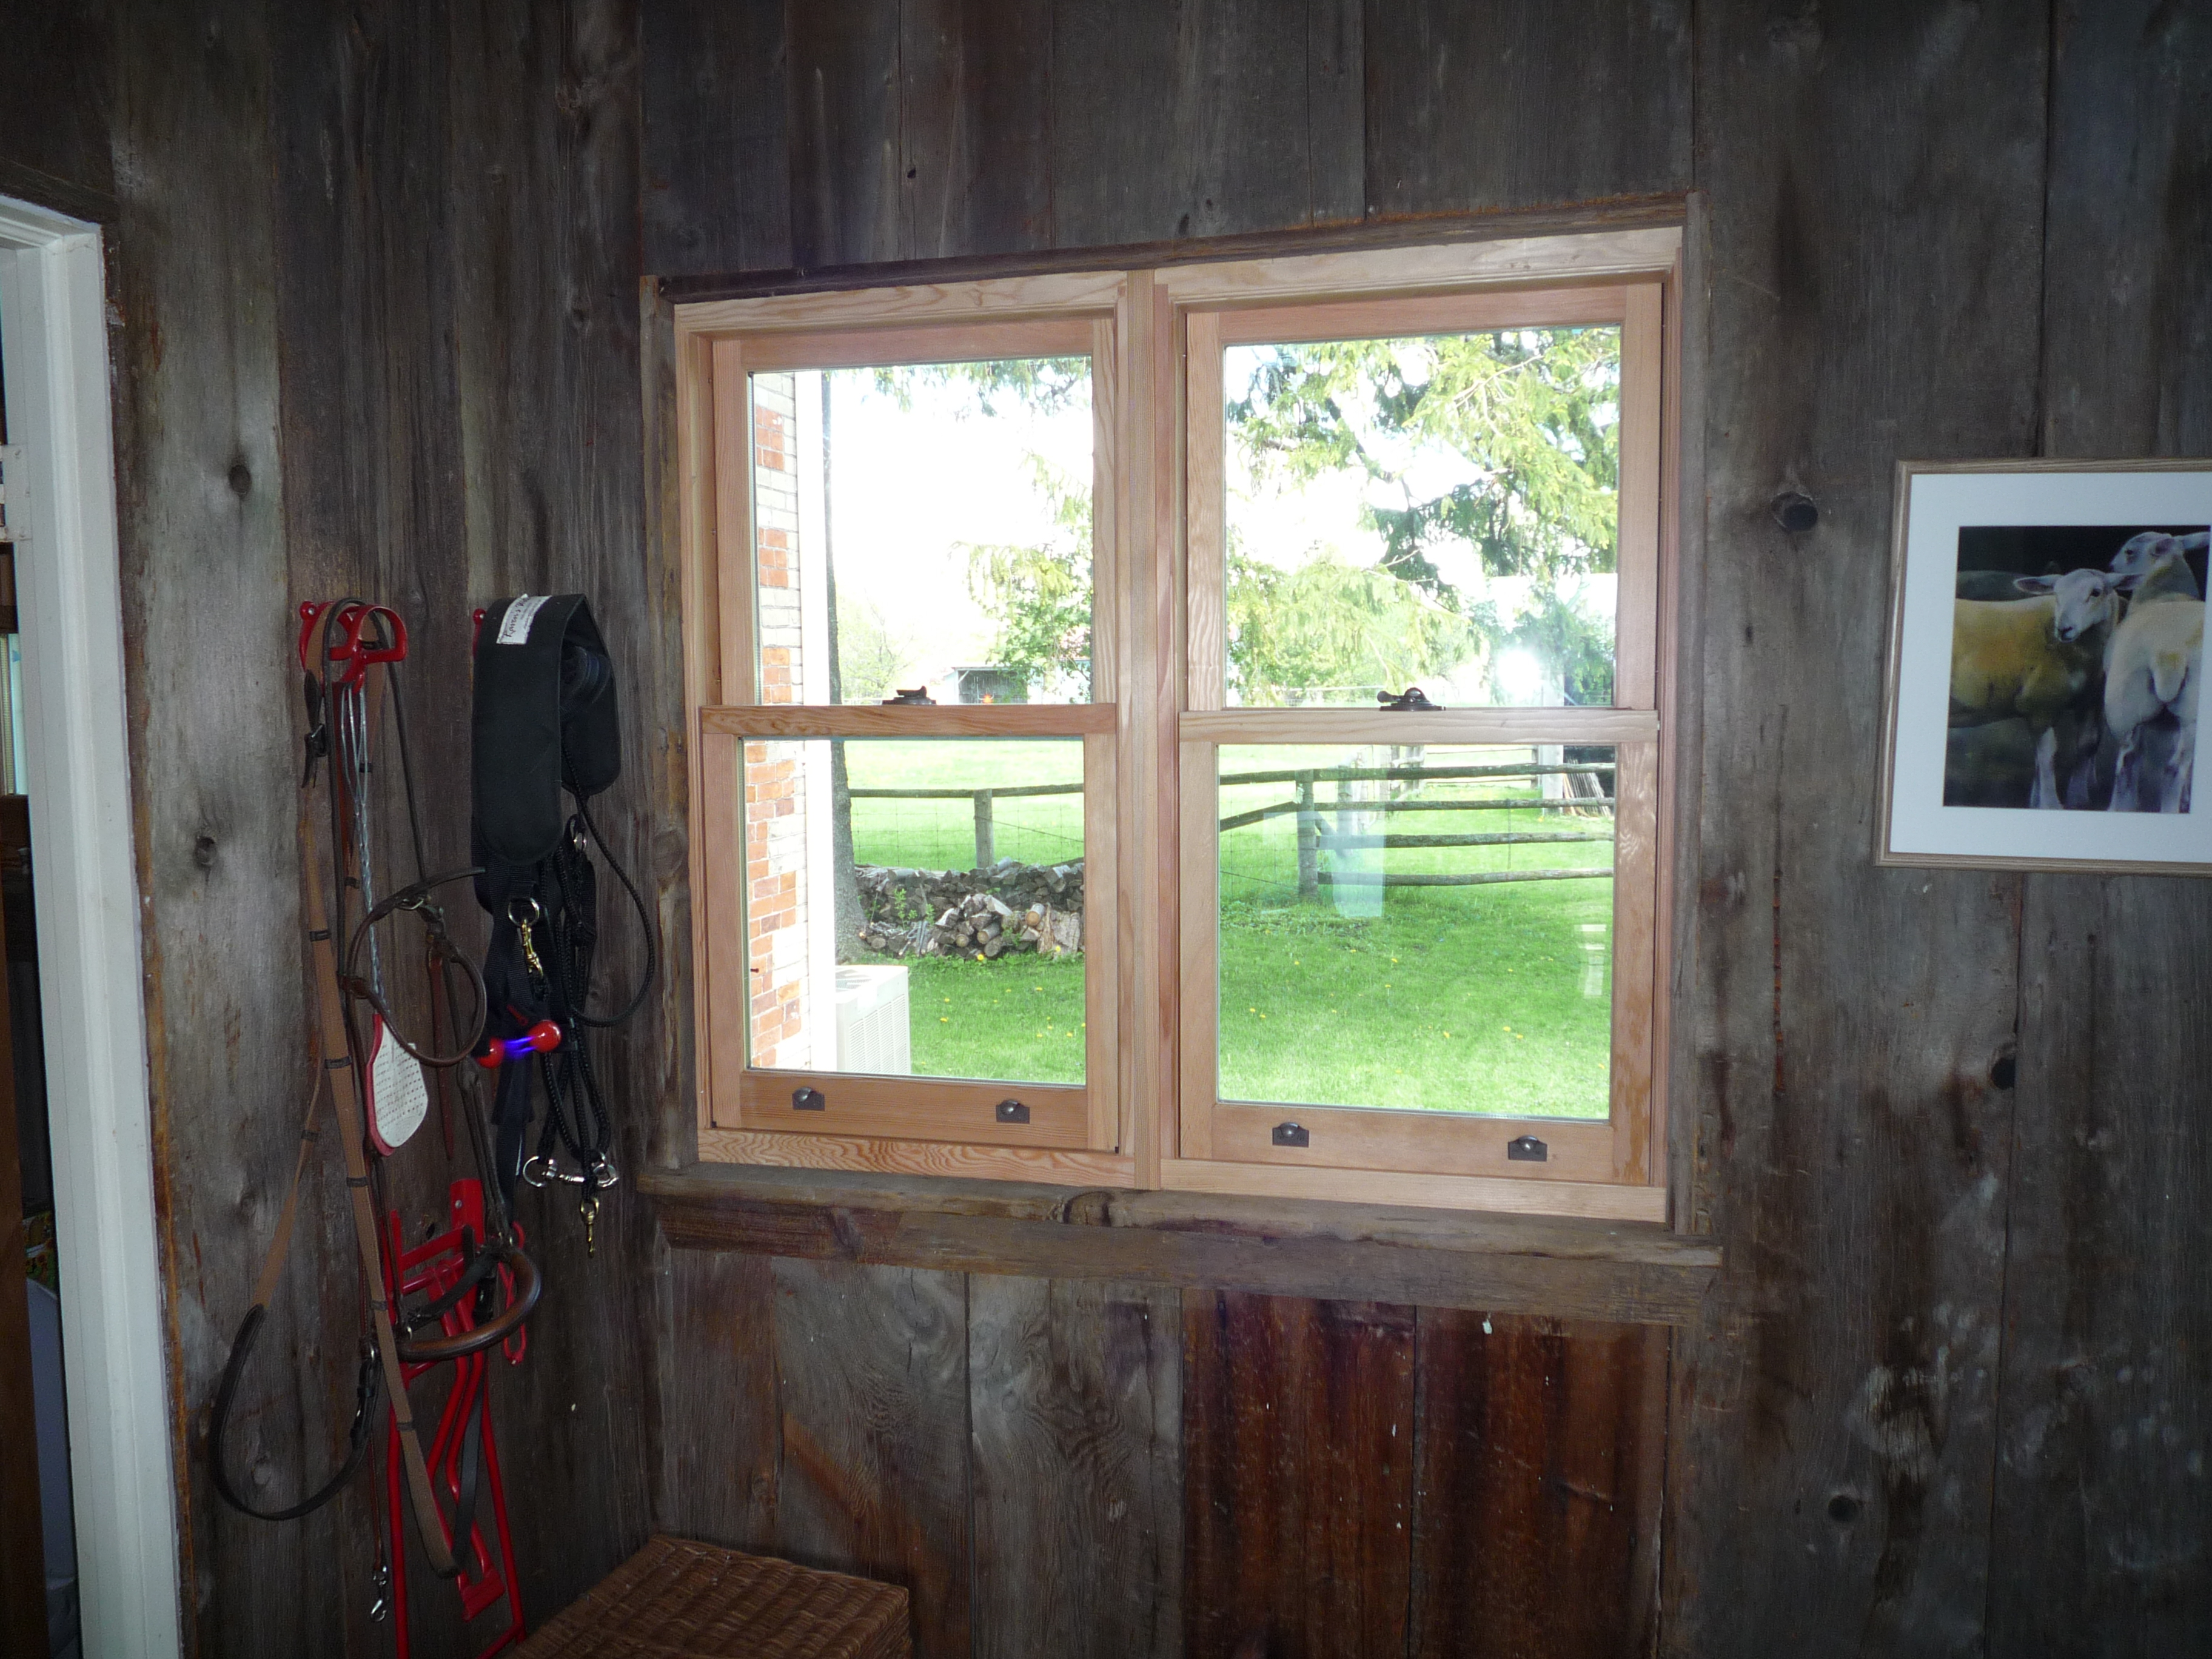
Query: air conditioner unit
{"points": [[873, 1030]]}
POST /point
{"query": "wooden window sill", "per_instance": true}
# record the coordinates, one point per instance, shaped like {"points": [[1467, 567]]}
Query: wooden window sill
{"points": [[1626, 1272]]}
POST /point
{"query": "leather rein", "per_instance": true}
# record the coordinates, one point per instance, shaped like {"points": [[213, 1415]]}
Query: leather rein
{"points": [[360, 647]]}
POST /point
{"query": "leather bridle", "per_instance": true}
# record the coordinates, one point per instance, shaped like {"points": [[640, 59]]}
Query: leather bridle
{"points": [[358, 640]]}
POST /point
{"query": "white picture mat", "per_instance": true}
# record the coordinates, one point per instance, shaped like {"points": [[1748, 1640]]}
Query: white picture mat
{"points": [[1939, 505]]}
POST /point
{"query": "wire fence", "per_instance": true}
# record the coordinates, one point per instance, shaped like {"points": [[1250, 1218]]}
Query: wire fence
{"points": [[1586, 794]]}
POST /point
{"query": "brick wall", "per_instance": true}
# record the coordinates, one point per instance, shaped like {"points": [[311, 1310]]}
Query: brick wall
{"points": [[775, 802]]}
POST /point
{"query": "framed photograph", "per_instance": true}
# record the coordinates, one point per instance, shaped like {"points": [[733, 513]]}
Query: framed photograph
{"points": [[2045, 651]]}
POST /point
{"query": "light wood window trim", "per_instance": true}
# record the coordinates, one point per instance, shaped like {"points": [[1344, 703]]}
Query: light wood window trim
{"points": [[1223, 1145], [1142, 325], [897, 1124]]}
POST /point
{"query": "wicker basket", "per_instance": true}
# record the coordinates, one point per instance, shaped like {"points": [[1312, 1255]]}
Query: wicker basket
{"points": [[677, 1599]]}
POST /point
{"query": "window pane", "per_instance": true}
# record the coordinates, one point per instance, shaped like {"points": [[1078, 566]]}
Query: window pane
{"points": [[1418, 928], [928, 524], [915, 907], [1439, 511]]}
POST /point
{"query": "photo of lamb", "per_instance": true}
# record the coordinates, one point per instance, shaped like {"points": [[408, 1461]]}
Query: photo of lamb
{"points": [[2075, 654]]}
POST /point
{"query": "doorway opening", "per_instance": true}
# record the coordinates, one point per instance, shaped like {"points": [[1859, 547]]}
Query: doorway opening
{"points": [[66, 759]]}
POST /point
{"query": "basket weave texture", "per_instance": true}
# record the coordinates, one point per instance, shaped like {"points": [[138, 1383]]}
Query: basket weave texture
{"points": [[677, 1599]]}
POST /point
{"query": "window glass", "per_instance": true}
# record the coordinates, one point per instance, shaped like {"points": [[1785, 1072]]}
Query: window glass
{"points": [[915, 907], [924, 525], [1439, 511], [1422, 928]]}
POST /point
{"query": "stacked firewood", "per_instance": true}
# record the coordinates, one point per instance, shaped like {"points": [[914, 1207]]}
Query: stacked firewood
{"points": [[934, 913]]}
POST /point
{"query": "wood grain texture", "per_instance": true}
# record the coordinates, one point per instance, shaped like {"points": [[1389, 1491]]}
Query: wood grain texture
{"points": [[1513, 1195], [1008, 719], [975, 117], [1834, 1414], [1515, 105], [1076, 1406], [2100, 1539], [719, 1450], [1558, 1239], [716, 157], [544, 252], [846, 192], [57, 105], [873, 1370], [203, 583], [1297, 1461], [1535, 1519], [1093, 1236]]}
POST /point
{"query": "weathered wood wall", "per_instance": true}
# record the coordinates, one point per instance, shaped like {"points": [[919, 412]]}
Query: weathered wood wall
{"points": [[375, 273], [376, 268], [1950, 1393]]}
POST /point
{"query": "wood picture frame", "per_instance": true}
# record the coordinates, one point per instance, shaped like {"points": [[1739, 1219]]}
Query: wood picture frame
{"points": [[2055, 611]]}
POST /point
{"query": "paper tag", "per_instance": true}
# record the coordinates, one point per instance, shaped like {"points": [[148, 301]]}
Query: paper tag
{"points": [[515, 626], [398, 1098]]}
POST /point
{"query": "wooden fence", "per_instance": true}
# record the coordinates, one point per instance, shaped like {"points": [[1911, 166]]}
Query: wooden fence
{"points": [[1313, 838]]}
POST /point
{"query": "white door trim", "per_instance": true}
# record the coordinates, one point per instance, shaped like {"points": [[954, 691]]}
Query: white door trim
{"points": [[69, 587]]}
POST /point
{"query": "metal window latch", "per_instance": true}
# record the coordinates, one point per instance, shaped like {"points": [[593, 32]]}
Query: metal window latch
{"points": [[911, 694], [808, 1100], [1293, 1135], [1412, 698], [1013, 1111], [1528, 1150]]}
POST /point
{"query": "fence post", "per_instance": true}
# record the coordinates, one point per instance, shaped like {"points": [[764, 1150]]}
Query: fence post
{"points": [[1309, 839], [984, 856]]}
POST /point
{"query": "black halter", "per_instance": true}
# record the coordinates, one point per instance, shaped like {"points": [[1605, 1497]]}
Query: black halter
{"points": [[546, 720]]}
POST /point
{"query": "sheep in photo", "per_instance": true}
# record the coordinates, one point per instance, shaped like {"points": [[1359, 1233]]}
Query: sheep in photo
{"points": [[2138, 553], [2040, 660], [2150, 676]]}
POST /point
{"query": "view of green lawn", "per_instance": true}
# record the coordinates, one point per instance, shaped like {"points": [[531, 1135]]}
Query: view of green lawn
{"points": [[1493, 998]]}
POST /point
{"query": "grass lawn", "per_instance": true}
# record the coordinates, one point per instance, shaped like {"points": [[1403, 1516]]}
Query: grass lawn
{"points": [[1493, 998], [1019, 1018], [1490, 999], [940, 834]]}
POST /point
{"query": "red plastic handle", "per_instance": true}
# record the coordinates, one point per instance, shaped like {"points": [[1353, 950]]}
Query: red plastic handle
{"points": [[350, 650], [542, 1038]]}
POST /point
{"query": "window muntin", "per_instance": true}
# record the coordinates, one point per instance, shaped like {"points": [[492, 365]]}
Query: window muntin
{"points": [[1590, 1108], [932, 522], [1149, 1111], [1424, 929], [1439, 510]]}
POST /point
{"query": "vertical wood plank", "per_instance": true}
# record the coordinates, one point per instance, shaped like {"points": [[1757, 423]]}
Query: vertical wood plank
{"points": [[57, 104], [1336, 111], [1112, 156], [974, 128], [716, 138], [1242, 83], [1297, 1471], [2102, 1536], [846, 192], [873, 1370], [1075, 1393], [718, 1392], [1507, 105], [544, 245], [1833, 1421], [204, 578], [1535, 1520]]}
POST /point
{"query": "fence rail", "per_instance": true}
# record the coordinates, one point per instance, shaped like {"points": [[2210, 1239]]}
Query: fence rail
{"points": [[1310, 810]]}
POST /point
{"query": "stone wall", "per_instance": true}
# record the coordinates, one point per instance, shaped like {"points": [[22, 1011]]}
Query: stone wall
{"points": [[1005, 909]]}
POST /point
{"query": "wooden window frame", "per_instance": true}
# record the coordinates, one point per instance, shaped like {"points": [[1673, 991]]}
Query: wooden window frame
{"points": [[1149, 1118]]}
